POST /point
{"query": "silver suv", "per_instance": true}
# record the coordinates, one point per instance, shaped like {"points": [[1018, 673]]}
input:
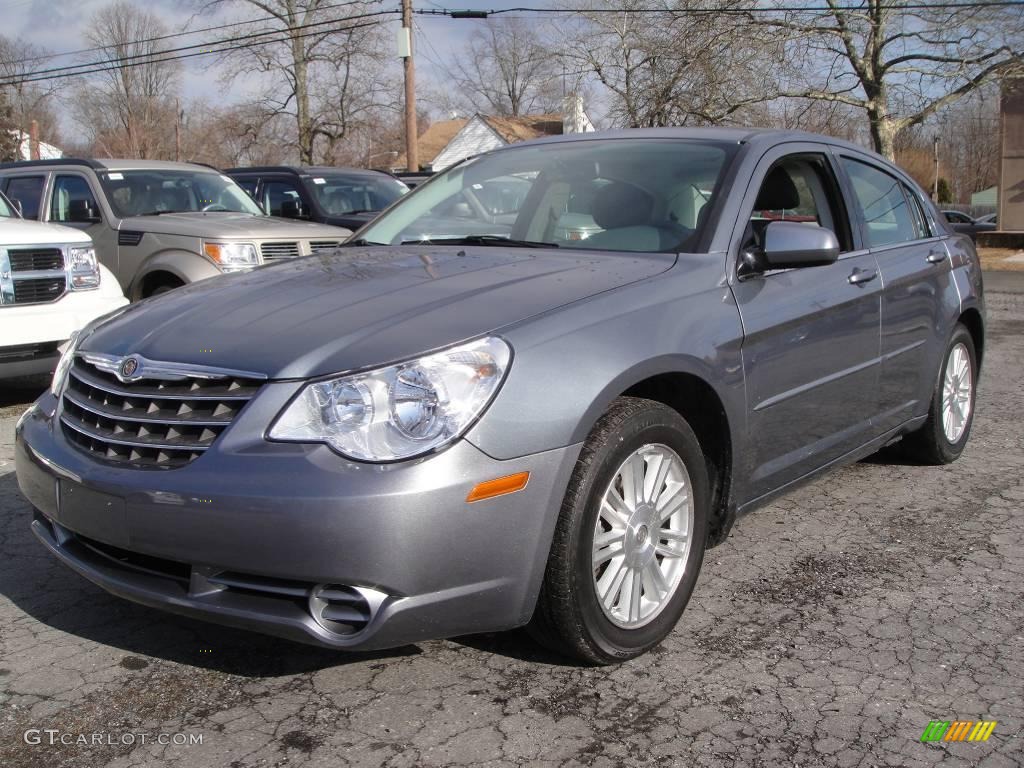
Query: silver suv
{"points": [[158, 225]]}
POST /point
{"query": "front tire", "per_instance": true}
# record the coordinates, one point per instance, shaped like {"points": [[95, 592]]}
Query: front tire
{"points": [[630, 537], [944, 435]]}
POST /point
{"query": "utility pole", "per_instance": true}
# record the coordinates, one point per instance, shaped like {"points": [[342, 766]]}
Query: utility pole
{"points": [[177, 130], [935, 188], [412, 160]]}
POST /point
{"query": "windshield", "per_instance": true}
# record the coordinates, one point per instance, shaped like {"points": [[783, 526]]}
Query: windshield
{"points": [[338, 195], [642, 195], [6, 209], [152, 192]]}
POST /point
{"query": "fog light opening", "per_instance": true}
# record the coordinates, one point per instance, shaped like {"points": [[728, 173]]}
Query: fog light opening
{"points": [[344, 610]]}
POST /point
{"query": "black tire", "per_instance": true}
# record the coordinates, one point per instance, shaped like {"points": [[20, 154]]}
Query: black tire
{"points": [[163, 288], [929, 444], [569, 618]]}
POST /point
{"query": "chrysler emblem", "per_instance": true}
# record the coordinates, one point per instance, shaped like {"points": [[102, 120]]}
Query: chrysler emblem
{"points": [[129, 367]]}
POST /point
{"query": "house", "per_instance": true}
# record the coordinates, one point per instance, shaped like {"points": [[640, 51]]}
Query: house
{"points": [[985, 197], [451, 141], [46, 151]]}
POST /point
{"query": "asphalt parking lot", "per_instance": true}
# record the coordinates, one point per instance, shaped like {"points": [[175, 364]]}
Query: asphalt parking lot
{"points": [[829, 630]]}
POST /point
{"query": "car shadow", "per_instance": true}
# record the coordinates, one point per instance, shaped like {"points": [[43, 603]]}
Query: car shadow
{"points": [[892, 456]]}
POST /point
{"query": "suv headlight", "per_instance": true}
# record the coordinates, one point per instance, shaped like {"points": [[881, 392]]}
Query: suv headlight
{"points": [[400, 411], [83, 269], [232, 257]]}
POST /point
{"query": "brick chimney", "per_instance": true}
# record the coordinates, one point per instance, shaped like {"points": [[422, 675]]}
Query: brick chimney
{"points": [[33, 140]]}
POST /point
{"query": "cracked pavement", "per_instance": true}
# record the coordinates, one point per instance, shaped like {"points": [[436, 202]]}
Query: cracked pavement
{"points": [[829, 629]]}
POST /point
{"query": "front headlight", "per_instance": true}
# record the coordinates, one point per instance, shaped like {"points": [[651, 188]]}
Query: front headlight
{"points": [[401, 411], [84, 270], [61, 372], [232, 257]]}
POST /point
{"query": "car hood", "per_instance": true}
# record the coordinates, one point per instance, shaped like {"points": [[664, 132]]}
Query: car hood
{"points": [[231, 225], [14, 231], [361, 307]]}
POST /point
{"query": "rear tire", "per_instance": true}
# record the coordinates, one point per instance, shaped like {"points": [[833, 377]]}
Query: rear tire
{"points": [[942, 438], [619, 575]]}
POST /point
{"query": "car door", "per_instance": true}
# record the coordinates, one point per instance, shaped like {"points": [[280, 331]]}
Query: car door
{"points": [[69, 190], [811, 335], [915, 268]]}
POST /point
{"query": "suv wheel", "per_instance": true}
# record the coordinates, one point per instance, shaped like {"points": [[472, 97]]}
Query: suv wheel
{"points": [[944, 435], [630, 538]]}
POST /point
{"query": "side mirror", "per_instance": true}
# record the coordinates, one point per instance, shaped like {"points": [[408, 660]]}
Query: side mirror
{"points": [[790, 245], [293, 209], [82, 212]]}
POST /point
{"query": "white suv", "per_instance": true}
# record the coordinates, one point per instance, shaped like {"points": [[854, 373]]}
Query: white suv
{"points": [[50, 286]]}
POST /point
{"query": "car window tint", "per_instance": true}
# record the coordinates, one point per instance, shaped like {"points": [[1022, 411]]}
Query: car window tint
{"points": [[275, 193], [28, 190], [66, 191], [886, 214]]}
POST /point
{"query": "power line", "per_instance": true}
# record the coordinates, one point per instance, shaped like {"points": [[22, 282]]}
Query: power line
{"points": [[183, 33], [470, 13], [206, 48], [160, 57]]}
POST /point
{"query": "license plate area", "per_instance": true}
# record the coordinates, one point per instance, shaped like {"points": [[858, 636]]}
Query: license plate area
{"points": [[93, 514]]}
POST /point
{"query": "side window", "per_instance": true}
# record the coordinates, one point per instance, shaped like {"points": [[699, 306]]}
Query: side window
{"points": [[801, 188], [28, 190], [248, 183], [917, 213], [275, 193], [887, 216], [68, 190]]}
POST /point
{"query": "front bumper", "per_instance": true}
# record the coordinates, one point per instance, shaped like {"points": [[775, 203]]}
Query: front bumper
{"points": [[272, 521]]}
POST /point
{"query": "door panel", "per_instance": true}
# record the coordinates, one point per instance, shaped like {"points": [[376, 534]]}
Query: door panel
{"points": [[915, 270], [811, 335], [810, 353]]}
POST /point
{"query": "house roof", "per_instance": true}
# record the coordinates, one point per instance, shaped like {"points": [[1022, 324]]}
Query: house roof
{"points": [[433, 140], [524, 127]]}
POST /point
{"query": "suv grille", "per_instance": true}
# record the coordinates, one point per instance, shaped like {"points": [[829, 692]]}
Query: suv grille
{"points": [[317, 246], [277, 251], [153, 422], [32, 275]]}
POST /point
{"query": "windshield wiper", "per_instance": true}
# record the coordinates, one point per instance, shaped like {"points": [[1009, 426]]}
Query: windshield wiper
{"points": [[480, 240], [358, 242], [159, 213]]}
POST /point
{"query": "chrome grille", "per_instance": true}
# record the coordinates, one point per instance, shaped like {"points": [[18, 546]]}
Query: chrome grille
{"points": [[277, 251], [161, 421], [32, 275]]}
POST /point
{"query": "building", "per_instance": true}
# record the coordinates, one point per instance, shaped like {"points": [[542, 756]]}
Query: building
{"points": [[46, 151], [451, 141], [985, 197]]}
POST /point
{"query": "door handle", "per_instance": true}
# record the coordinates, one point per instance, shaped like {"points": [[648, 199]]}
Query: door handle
{"points": [[936, 257], [860, 276]]}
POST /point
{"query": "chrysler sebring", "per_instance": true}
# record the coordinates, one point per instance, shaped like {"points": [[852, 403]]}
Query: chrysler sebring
{"points": [[532, 392]]}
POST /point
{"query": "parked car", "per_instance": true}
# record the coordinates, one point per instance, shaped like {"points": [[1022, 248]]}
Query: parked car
{"points": [[158, 225], [413, 179], [966, 225], [344, 197], [50, 287], [988, 218], [415, 439]]}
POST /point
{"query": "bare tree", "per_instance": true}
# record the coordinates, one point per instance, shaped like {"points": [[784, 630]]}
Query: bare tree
{"points": [[321, 65], [129, 107], [899, 63], [671, 62], [8, 136], [505, 69], [29, 101]]}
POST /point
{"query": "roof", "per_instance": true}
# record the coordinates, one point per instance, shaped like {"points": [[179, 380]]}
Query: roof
{"points": [[306, 170], [524, 127], [112, 164], [432, 141]]}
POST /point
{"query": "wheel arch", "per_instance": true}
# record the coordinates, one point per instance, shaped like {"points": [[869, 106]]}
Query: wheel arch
{"points": [[972, 320], [182, 266], [684, 386]]}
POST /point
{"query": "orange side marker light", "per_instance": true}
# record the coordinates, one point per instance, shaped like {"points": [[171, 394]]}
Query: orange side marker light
{"points": [[498, 487]]}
